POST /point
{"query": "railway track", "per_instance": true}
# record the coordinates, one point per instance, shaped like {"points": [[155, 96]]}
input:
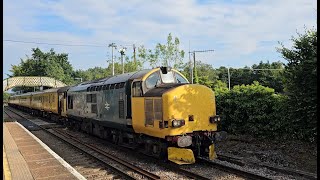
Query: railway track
{"points": [[95, 153], [288, 171], [180, 170]]}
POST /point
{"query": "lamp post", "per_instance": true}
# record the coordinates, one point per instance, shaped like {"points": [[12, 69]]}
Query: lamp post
{"points": [[122, 52], [112, 45]]}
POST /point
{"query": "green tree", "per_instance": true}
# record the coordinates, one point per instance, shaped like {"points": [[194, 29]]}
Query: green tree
{"points": [[246, 75], [205, 73], [6, 96], [48, 64], [168, 54], [300, 77]]}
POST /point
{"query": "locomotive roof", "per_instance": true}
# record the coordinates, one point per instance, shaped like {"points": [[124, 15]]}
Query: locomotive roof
{"points": [[63, 89], [109, 80]]}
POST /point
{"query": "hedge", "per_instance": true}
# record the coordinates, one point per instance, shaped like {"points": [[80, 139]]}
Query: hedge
{"points": [[257, 111]]}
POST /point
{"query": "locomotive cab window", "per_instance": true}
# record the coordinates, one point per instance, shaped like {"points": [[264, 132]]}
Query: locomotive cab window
{"points": [[136, 89], [153, 80], [180, 79]]}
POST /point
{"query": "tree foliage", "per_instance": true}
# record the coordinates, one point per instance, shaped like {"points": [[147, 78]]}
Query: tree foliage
{"points": [[301, 83], [205, 73], [271, 78], [48, 64], [168, 54], [6, 96]]}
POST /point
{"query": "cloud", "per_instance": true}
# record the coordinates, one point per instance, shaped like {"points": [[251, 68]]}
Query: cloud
{"points": [[237, 30]]}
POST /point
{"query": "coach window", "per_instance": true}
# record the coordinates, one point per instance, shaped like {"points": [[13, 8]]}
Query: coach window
{"points": [[112, 86], [104, 87], [136, 87]]}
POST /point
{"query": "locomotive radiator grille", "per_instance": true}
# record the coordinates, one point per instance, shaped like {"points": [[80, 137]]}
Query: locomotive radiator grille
{"points": [[153, 110]]}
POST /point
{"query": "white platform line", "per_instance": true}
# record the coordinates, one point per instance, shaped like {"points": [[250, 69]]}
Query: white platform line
{"points": [[62, 161]]}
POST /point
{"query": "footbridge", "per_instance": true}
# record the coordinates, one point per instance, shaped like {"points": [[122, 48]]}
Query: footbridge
{"points": [[31, 81]]}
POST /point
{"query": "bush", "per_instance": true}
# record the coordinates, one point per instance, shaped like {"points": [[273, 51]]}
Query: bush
{"points": [[253, 110]]}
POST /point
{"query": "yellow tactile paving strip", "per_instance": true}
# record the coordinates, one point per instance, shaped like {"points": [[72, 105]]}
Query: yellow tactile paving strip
{"points": [[18, 166], [34, 161], [6, 169]]}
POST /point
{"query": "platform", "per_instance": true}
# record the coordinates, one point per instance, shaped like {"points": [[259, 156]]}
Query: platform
{"points": [[26, 157]]}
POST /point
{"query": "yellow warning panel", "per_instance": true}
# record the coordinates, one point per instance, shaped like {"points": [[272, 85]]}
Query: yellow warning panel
{"points": [[181, 155], [212, 152]]}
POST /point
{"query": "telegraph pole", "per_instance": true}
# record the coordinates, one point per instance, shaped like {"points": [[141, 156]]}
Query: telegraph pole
{"points": [[112, 45], [194, 61]]}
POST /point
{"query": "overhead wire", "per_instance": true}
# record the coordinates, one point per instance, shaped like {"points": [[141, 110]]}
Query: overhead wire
{"points": [[53, 44]]}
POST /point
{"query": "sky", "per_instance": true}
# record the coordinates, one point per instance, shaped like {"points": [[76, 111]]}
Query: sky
{"points": [[241, 32]]}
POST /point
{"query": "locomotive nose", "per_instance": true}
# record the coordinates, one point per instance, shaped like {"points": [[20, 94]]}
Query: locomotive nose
{"points": [[194, 104]]}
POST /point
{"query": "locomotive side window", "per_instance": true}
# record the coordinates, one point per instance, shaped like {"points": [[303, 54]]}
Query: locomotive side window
{"points": [[70, 102], [136, 87]]}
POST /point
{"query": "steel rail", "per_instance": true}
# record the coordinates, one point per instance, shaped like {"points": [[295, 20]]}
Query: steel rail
{"points": [[120, 161], [128, 165], [284, 170], [233, 170]]}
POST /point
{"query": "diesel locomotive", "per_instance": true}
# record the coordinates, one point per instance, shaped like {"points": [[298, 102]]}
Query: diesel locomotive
{"points": [[155, 111]]}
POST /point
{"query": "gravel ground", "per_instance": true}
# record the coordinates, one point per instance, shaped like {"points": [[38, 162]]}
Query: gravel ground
{"points": [[292, 154]]}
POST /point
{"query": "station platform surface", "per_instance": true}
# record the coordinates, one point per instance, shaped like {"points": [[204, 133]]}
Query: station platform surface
{"points": [[26, 157]]}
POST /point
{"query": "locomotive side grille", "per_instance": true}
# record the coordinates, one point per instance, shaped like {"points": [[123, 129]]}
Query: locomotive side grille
{"points": [[149, 111], [157, 109], [153, 110], [93, 108], [121, 109]]}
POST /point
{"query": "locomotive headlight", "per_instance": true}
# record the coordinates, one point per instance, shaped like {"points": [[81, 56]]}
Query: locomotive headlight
{"points": [[184, 141], [177, 123], [214, 119]]}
